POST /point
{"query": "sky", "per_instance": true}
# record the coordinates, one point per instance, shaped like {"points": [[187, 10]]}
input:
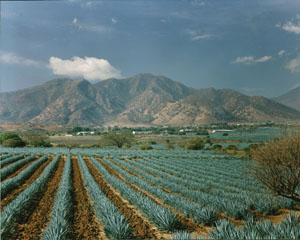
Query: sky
{"points": [[251, 46]]}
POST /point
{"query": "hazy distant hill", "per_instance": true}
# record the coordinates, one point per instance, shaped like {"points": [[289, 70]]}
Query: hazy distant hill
{"points": [[291, 98], [140, 100]]}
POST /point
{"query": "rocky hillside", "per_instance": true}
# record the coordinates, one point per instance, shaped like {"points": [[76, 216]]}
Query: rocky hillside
{"points": [[143, 99]]}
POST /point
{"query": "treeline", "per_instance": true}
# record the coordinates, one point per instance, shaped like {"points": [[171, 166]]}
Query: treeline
{"points": [[32, 139]]}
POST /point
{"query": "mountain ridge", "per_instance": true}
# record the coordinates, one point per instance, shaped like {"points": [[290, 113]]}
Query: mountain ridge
{"points": [[144, 99], [291, 98]]}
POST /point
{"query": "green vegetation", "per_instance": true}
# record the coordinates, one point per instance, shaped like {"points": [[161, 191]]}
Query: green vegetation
{"points": [[194, 144], [117, 139], [14, 142], [9, 139], [278, 166], [145, 147]]}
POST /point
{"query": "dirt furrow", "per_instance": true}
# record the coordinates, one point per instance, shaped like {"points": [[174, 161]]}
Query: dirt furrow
{"points": [[191, 225], [15, 192], [85, 224], [222, 215], [141, 226], [34, 220]]}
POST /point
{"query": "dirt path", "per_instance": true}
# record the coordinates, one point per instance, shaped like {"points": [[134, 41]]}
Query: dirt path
{"points": [[141, 226], [85, 223], [192, 226], [15, 192], [19, 170], [34, 220]]}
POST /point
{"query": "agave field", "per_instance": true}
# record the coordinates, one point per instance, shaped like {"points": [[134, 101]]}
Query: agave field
{"points": [[128, 194]]}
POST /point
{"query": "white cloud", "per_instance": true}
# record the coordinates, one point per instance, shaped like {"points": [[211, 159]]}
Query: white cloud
{"points": [[281, 52], [292, 26], [89, 68], [196, 3], [251, 59], [92, 28], [11, 58], [114, 20], [245, 60], [263, 59], [294, 65], [203, 36], [197, 35]]}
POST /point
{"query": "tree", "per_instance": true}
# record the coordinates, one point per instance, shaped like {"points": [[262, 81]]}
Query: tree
{"points": [[194, 144], [117, 139], [14, 142], [277, 166], [7, 135], [37, 139]]}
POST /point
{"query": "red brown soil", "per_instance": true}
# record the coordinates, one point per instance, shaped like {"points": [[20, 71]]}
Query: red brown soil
{"points": [[142, 228], [19, 170], [192, 226], [35, 218], [222, 215], [280, 216], [85, 224], [15, 192]]}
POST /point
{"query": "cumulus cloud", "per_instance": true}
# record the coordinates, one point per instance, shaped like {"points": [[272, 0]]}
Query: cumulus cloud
{"points": [[292, 26], [90, 68], [294, 65], [251, 59], [281, 52], [11, 58]]}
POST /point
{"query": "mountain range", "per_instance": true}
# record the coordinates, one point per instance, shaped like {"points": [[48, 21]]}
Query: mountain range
{"points": [[291, 98], [143, 99]]}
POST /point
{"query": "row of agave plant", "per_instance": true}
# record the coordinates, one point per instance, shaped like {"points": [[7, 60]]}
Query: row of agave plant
{"points": [[4, 172], [14, 209], [58, 228], [5, 155], [287, 229], [12, 183], [202, 215], [162, 217], [9, 158], [205, 186], [115, 225]]}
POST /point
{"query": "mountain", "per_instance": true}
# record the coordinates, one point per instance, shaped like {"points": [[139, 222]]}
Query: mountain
{"points": [[143, 99], [291, 98]]}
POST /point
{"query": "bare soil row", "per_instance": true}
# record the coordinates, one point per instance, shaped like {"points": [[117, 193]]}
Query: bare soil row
{"points": [[35, 217], [190, 224], [141, 226], [15, 192]]}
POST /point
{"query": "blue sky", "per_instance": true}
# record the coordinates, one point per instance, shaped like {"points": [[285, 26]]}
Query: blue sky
{"points": [[248, 45]]}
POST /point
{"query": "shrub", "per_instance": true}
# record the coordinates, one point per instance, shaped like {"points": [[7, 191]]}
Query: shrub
{"points": [[195, 144], [117, 139], [14, 142], [146, 147], [277, 166], [7, 135]]}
